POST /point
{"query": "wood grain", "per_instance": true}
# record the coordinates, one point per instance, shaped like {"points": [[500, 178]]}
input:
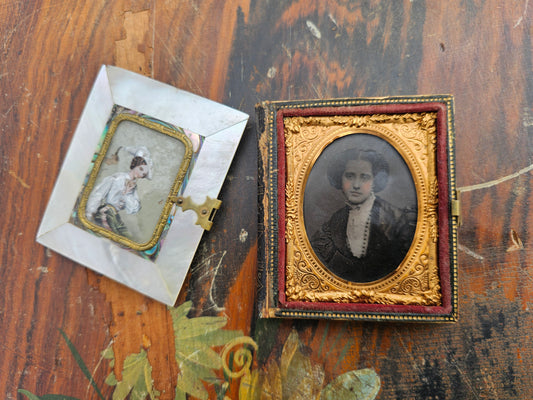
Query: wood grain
{"points": [[241, 52]]}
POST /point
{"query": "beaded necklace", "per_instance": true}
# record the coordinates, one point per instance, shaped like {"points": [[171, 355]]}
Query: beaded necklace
{"points": [[358, 227]]}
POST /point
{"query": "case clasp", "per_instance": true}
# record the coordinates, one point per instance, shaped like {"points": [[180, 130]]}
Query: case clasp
{"points": [[205, 212], [456, 207]]}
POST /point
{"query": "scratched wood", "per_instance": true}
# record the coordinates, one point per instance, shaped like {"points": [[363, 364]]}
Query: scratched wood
{"points": [[241, 52]]}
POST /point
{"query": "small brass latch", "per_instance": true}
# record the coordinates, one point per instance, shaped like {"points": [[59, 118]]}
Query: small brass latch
{"points": [[205, 212], [456, 207]]}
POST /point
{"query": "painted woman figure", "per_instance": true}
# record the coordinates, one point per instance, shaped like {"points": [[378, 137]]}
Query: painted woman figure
{"points": [[118, 192], [368, 238]]}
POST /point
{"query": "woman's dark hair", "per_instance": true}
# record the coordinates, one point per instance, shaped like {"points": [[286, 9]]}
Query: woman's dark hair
{"points": [[380, 167], [136, 161]]}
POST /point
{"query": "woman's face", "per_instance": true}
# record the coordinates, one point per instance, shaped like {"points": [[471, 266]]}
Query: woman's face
{"points": [[140, 171], [357, 181]]}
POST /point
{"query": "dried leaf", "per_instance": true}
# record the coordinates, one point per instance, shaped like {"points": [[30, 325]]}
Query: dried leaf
{"points": [[289, 349], [317, 380], [136, 379], [180, 394], [218, 337], [193, 341], [108, 353], [303, 381], [149, 383], [199, 354], [272, 388], [111, 379], [363, 384], [200, 326], [248, 386], [180, 312], [189, 383]]}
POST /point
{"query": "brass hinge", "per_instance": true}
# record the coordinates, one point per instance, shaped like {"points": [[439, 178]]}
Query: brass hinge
{"points": [[205, 212]]}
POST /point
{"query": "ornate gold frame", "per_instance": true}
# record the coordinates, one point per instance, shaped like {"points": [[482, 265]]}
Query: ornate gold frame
{"points": [[416, 280], [171, 198], [293, 280]]}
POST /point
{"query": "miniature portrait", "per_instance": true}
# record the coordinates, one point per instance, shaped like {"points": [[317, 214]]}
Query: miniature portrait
{"points": [[117, 193], [360, 208], [136, 176]]}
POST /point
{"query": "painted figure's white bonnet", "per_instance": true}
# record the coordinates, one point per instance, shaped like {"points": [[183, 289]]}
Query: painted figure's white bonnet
{"points": [[142, 151]]}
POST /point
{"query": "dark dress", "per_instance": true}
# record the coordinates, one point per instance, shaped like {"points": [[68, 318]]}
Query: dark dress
{"points": [[391, 234]]}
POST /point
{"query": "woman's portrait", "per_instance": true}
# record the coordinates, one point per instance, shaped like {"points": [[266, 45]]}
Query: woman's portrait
{"points": [[118, 192], [134, 180], [360, 208]]}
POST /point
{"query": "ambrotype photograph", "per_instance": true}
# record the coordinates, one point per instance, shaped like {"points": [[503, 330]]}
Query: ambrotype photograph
{"points": [[360, 208]]}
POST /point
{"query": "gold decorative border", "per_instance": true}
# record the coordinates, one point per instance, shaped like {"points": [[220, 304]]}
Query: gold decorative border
{"points": [[167, 208], [416, 280]]}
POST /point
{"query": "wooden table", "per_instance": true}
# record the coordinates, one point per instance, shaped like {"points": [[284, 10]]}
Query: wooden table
{"points": [[240, 52]]}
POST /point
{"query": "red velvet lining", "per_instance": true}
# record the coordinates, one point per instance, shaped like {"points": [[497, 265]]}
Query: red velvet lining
{"points": [[281, 206], [443, 210]]}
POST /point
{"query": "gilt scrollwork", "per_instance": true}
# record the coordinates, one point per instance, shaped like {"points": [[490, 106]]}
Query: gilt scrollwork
{"points": [[292, 125], [290, 211], [420, 282], [432, 204], [416, 281], [427, 124], [301, 279]]}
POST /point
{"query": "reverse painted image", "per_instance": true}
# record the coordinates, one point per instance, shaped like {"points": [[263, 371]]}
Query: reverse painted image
{"points": [[117, 194], [141, 165], [360, 208]]}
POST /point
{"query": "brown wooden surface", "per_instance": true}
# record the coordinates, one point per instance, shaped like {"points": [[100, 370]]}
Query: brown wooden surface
{"points": [[240, 52]]}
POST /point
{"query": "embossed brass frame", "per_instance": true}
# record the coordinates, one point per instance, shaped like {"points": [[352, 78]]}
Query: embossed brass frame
{"points": [[171, 198], [296, 283]]}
